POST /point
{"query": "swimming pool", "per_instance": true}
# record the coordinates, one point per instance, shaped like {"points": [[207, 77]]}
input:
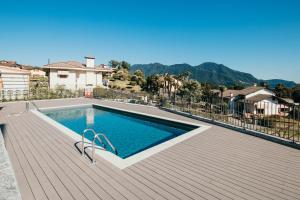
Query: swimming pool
{"points": [[135, 135], [129, 133]]}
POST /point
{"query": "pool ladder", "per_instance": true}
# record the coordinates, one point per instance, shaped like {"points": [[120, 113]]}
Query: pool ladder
{"points": [[96, 137]]}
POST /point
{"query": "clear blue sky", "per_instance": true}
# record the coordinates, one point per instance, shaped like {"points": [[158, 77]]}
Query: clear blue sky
{"points": [[259, 37]]}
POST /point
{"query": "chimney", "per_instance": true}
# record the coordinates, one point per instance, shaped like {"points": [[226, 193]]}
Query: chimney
{"points": [[90, 61]]}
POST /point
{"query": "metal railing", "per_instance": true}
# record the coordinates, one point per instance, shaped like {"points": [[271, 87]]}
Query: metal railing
{"points": [[96, 136], [277, 119], [83, 139]]}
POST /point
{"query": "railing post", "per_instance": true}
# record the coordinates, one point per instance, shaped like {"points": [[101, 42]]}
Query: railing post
{"points": [[82, 145], [244, 113], [294, 121], [27, 106], [93, 150]]}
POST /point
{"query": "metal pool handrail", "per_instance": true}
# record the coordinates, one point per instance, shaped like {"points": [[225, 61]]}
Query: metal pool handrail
{"points": [[106, 139], [82, 139]]}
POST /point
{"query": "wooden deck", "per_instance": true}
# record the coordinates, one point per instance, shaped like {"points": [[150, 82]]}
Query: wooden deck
{"points": [[216, 164]]}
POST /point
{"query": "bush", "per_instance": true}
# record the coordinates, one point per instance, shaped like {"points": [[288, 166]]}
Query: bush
{"points": [[133, 83], [163, 101]]}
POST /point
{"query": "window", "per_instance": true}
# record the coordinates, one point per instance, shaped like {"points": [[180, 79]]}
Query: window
{"points": [[260, 111], [286, 109], [63, 76]]}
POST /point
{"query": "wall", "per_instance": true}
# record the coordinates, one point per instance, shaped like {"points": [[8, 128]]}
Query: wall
{"points": [[69, 82], [270, 106], [75, 79], [99, 79], [90, 63], [263, 91], [15, 81]]}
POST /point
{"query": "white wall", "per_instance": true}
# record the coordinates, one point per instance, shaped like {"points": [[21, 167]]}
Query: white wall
{"points": [[81, 79], [69, 82], [270, 106], [15, 81], [75, 79], [90, 62], [99, 79]]}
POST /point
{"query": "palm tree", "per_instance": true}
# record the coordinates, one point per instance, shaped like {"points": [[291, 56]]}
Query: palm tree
{"points": [[222, 89]]}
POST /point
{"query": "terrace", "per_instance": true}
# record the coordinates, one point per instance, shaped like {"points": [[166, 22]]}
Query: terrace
{"points": [[218, 163]]}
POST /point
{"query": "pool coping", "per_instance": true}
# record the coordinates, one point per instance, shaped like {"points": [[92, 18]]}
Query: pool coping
{"points": [[112, 158]]}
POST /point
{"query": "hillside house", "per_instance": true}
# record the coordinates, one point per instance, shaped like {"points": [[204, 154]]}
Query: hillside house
{"points": [[74, 75], [256, 101]]}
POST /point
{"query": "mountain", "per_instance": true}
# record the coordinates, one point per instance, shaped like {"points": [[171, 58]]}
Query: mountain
{"points": [[273, 82], [206, 72], [209, 72]]}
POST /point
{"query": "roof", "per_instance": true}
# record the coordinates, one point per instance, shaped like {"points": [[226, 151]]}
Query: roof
{"points": [[12, 70], [91, 57], [74, 65], [227, 93], [250, 90], [291, 101], [260, 97], [245, 91]]}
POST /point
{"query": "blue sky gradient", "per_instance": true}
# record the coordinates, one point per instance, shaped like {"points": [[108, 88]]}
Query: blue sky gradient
{"points": [[259, 37]]}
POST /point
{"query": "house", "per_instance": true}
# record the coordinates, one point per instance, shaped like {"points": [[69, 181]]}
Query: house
{"points": [[256, 100], [13, 81], [74, 75]]}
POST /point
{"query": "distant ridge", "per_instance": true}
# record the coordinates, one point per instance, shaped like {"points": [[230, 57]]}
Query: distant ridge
{"points": [[209, 72]]}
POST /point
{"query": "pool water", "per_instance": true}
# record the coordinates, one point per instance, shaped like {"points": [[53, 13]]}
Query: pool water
{"points": [[129, 133]]}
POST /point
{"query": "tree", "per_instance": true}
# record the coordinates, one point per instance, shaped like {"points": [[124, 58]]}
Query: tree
{"points": [[152, 84], [122, 75], [139, 73], [125, 65], [184, 76], [114, 63], [264, 84], [296, 94], [189, 90], [168, 83], [222, 89], [207, 90], [138, 77], [281, 91], [237, 86]]}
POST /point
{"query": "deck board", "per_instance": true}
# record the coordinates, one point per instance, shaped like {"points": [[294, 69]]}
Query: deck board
{"points": [[216, 164]]}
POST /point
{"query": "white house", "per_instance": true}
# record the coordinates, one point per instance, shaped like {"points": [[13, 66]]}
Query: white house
{"points": [[75, 75], [256, 100], [13, 81]]}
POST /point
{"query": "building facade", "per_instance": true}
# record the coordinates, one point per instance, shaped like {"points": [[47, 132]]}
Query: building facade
{"points": [[74, 75], [256, 101], [14, 82], [13, 79]]}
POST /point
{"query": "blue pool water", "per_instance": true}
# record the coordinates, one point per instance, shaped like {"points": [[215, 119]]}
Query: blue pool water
{"points": [[129, 133]]}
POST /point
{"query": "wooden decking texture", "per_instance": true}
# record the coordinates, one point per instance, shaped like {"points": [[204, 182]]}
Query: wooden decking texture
{"points": [[216, 164]]}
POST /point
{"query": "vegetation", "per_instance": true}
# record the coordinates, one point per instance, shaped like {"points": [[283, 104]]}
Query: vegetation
{"points": [[281, 91], [296, 94], [119, 64]]}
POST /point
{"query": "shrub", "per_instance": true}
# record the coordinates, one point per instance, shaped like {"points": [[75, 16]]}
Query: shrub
{"points": [[133, 83]]}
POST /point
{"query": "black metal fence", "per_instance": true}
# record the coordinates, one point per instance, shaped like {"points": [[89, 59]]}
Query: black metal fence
{"points": [[274, 118], [123, 96]]}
